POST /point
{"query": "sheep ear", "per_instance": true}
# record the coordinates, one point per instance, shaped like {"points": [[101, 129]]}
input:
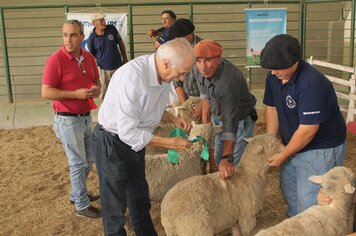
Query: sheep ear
{"points": [[315, 179], [247, 139], [176, 110], [349, 188], [257, 149], [193, 124]]}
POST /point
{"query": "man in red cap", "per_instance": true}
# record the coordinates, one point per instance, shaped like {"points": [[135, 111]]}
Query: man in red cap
{"points": [[224, 90], [301, 105]]}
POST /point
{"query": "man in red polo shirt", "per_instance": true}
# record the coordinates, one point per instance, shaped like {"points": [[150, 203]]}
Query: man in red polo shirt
{"points": [[71, 80]]}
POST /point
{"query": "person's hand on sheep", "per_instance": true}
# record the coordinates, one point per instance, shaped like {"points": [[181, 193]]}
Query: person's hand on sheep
{"points": [[226, 169], [197, 111], [181, 123], [180, 144], [323, 199], [277, 160]]}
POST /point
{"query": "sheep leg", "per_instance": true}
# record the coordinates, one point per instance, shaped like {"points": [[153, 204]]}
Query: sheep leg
{"points": [[235, 230], [246, 225]]}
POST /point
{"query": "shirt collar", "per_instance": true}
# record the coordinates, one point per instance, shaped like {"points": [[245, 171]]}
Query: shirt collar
{"points": [[70, 55], [152, 72]]}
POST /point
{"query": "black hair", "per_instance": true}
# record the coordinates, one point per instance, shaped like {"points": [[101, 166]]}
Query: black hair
{"points": [[170, 12]]}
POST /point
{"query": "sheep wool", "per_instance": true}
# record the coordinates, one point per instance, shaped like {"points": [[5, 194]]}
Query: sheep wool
{"points": [[329, 220], [162, 175], [207, 205]]}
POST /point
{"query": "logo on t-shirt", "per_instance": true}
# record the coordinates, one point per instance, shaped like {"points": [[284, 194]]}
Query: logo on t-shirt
{"points": [[111, 37], [290, 102]]}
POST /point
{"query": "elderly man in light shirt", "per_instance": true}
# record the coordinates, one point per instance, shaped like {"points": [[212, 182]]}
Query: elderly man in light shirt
{"points": [[134, 105]]}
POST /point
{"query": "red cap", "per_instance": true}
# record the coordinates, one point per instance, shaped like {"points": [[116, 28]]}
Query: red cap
{"points": [[208, 49]]}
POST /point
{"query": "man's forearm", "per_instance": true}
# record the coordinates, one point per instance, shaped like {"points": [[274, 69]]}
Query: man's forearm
{"points": [[271, 117], [205, 111], [301, 138], [56, 94], [181, 95]]}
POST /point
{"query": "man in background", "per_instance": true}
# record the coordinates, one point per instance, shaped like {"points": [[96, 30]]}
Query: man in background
{"points": [[168, 19], [106, 45], [71, 79], [184, 28]]}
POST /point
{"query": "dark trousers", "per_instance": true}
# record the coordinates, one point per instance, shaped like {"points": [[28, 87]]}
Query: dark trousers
{"points": [[122, 184]]}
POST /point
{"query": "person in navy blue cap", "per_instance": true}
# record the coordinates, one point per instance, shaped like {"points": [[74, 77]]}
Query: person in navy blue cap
{"points": [[301, 106]]}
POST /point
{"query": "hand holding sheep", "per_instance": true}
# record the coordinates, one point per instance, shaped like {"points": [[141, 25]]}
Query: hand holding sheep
{"points": [[323, 198], [226, 169], [180, 144], [180, 122], [277, 160]]}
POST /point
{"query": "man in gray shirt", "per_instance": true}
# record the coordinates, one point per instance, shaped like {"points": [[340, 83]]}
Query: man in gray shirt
{"points": [[224, 90]]}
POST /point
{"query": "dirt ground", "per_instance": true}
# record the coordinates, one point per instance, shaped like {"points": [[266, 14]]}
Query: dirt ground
{"points": [[35, 185]]}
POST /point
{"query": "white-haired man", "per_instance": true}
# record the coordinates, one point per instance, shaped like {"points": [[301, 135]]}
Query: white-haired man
{"points": [[134, 105]]}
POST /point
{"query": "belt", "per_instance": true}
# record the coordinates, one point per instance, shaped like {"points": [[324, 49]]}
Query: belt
{"points": [[72, 114]]}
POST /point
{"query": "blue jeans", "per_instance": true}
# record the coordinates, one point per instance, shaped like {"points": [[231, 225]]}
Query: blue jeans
{"points": [[245, 130], [298, 191], [122, 184], [75, 134]]}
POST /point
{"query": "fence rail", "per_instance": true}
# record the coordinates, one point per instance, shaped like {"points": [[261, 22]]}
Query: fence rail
{"points": [[348, 86], [30, 33]]}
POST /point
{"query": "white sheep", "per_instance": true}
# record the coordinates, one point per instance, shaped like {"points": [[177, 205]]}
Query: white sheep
{"points": [[186, 109], [207, 205], [161, 175], [318, 220], [203, 130]]}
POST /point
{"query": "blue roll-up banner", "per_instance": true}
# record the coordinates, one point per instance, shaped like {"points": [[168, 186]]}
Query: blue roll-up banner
{"points": [[119, 20], [261, 25]]}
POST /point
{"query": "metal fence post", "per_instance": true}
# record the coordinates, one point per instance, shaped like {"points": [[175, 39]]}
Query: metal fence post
{"points": [[6, 57], [132, 49], [352, 35]]}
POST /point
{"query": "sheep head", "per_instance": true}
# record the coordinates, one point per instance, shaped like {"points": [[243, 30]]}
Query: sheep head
{"points": [[338, 183], [268, 144]]}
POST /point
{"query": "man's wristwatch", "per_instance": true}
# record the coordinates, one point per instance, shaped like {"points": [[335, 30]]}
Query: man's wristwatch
{"points": [[229, 158]]}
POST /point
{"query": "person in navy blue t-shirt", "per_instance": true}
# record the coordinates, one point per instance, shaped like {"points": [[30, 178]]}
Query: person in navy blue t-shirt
{"points": [[106, 45], [302, 107], [160, 35]]}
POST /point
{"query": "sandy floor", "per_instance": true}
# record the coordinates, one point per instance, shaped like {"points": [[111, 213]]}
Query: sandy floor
{"points": [[35, 185]]}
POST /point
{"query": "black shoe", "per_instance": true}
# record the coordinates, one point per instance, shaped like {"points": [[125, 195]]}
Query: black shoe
{"points": [[90, 212], [92, 198]]}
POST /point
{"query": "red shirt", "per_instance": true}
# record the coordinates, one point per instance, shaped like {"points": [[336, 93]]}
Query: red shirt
{"points": [[63, 72]]}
